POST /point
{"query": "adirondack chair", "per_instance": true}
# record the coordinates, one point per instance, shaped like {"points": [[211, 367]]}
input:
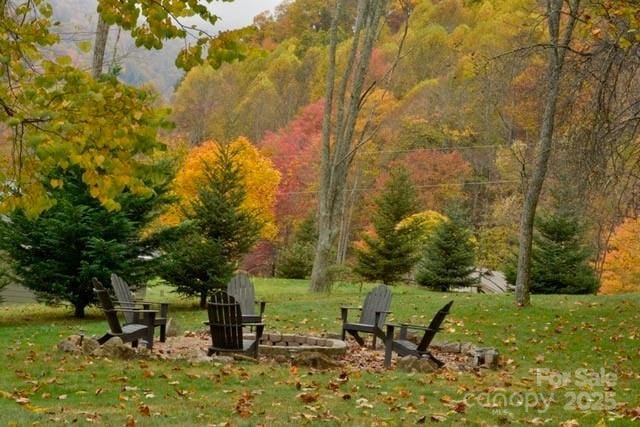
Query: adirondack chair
{"points": [[140, 329], [241, 288], [373, 313], [403, 347], [225, 323], [126, 299]]}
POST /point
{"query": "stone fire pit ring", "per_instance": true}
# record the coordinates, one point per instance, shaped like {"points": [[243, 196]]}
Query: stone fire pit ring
{"points": [[275, 344]]}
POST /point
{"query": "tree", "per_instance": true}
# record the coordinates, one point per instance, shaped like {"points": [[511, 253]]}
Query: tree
{"points": [[218, 229], [62, 118], [151, 22], [58, 253], [259, 182], [448, 256], [392, 251], [295, 260], [560, 261], [621, 269], [559, 45], [338, 148]]}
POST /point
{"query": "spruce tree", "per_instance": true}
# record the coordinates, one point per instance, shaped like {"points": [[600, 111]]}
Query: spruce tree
{"points": [[448, 258], [217, 233], [296, 260], [560, 261], [392, 251], [58, 253]]}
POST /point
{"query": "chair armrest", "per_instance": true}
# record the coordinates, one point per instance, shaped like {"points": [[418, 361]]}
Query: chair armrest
{"points": [[133, 310], [418, 327], [346, 307], [127, 303], [263, 305]]}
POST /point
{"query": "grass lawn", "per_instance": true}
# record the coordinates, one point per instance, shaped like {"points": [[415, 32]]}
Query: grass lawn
{"points": [[561, 333]]}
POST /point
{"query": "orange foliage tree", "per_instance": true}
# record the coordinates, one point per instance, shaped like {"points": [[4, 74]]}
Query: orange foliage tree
{"points": [[621, 272], [260, 177]]}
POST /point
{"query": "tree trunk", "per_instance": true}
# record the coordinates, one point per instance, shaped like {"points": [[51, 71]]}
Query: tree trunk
{"points": [[78, 311], [203, 299], [102, 34], [557, 54], [337, 138]]}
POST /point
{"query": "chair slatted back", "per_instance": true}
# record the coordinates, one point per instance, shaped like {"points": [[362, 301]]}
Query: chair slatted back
{"points": [[225, 321], [241, 288], [378, 299], [107, 306], [434, 327], [124, 295]]}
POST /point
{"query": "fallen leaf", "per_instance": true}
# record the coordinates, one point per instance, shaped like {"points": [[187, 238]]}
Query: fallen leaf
{"points": [[308, 397], [144, 410]]}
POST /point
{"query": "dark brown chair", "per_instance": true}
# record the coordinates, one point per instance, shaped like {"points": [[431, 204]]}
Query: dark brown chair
{"points": [[241, 288], [373, 314], [141, 328], [225, 323], [403, 347], [126, 299]]}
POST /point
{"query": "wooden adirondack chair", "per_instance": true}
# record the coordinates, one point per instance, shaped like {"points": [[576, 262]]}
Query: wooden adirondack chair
{"points": [[126, 299], [241, 288], [141, 328], [373, 313], [225, 323], [403, 347]]}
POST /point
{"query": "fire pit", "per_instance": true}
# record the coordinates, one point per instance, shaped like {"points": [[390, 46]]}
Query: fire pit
{"points": [[274, 344]]}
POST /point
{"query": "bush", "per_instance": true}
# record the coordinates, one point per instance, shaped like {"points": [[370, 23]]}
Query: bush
{"points": [[296, 260], [448, 258], [560, 261], [57, 253]]}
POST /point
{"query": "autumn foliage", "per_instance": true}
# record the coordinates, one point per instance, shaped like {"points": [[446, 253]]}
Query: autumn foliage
{"points": [[621, 273], [260, 178]]}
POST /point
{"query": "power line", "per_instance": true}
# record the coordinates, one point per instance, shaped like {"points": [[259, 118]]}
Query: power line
{"points": [[411, 150], [442, 184]]}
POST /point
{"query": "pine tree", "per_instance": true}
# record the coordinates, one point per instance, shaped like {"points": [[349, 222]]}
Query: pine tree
{"points": [[560, 261], [217, 233], [58, 253], [449, 255], [296, 260], [393, 251]]}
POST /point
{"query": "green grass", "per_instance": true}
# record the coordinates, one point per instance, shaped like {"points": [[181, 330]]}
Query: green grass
{"points": [[561, 333]]}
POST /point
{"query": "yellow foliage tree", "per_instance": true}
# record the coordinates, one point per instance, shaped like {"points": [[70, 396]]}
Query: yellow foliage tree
{"points": [[426, 221], [621, 271], [261, 181]]}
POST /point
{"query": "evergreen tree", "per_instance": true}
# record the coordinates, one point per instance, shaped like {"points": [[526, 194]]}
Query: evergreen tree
{"points": [[296, 260], [560, 261], [57, 253], [449, 256], [217, 233], [393, 251]]}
